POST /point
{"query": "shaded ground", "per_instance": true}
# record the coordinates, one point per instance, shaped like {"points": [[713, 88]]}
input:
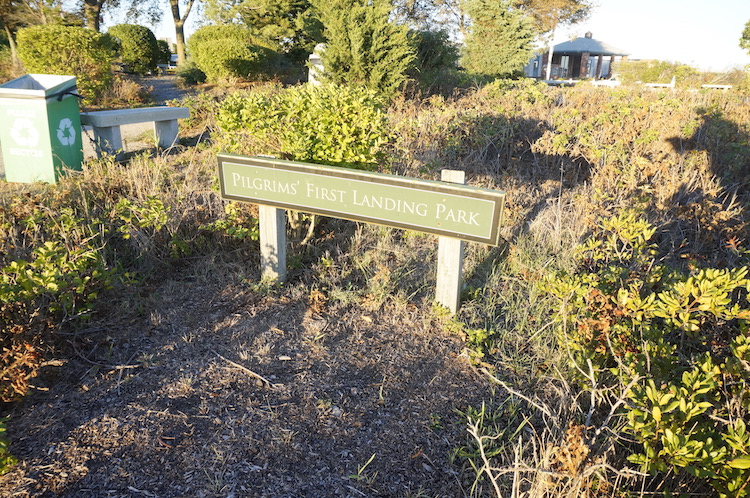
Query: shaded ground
{"points": [[163, 88], [170, 404]]}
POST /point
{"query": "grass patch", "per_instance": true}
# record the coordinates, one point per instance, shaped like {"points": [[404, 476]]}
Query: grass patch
{"points": [[544, 332]]}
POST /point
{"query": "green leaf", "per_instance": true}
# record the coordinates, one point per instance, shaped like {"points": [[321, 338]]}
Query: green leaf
{"points": [[656, 412]]}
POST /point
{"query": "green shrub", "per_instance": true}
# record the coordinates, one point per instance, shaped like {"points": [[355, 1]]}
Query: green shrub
{"points": [[227, 51], [7, 460], [338, 125], [674, 344], [58, 280], [655, 71], [190, 73], [136, 46], [80, 52]]}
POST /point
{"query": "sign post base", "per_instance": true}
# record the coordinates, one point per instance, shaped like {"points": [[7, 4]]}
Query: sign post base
{"points": [[272, 226]]}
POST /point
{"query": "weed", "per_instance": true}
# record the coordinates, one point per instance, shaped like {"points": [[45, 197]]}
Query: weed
{"points": [[363, 475], [6, 459]]}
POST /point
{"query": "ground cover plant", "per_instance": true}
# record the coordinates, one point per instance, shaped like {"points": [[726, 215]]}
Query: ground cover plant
{"points": [[601, 350]]}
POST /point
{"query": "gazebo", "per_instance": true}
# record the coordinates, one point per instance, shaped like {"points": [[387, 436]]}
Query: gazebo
{"points": [[578, 59]]}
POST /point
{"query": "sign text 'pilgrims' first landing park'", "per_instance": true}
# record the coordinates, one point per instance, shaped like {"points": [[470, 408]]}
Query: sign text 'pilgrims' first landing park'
{"points": [[441, 208]]}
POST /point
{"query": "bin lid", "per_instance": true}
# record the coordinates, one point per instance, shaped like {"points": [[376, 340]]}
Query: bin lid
{"points": [[37, 86]]}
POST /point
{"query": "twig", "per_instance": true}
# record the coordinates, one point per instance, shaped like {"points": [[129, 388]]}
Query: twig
{"points": [[620, 401], [541, 408], [102, 365], [486, 467], [247, 371], [356, 490]]}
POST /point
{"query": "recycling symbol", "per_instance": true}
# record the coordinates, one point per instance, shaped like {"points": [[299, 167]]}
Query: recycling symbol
{"points": [[24, 133], [66, 134]]}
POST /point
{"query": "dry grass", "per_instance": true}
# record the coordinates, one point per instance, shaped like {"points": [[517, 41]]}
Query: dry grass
{"points": [[350, 358]]}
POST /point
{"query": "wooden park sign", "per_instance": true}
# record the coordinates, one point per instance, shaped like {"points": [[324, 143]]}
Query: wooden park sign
{"points": [[447, 208]]}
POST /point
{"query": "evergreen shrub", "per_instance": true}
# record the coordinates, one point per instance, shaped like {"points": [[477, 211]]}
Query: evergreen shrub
{"points": [[364, 47], [436, 59], [163, 52]]}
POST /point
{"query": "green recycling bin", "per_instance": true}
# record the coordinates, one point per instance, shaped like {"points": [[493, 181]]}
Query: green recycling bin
{"points": [[40, 128]]}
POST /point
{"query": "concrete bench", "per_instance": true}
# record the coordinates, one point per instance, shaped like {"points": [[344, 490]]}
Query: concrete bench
{"points": [[107, 124], [671, 84], [717, 87]]}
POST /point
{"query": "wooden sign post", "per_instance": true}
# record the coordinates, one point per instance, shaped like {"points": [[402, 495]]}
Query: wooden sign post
{"points": [[448, 208], [272, 237], [450, 258]]}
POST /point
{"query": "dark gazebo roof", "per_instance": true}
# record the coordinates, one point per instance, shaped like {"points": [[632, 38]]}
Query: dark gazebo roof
{"points": [[587, 44]]}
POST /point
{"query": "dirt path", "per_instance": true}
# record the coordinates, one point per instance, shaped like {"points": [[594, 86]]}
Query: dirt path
{"points": [[219, 391], [164, 88]]}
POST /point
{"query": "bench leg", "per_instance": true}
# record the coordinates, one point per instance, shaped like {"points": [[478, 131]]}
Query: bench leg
{"points": [[166, 133], [108, 139]]}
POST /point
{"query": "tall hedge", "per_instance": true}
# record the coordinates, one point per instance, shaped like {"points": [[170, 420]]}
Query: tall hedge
{"points": [[227, 51], [80, 52], [136, 46]]}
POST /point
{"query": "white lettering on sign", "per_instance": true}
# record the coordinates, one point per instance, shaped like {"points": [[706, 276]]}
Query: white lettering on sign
{"points": [[441, 208], [389, 204], [22, 113], [324, 193], [264, 184], [456, 215], [26, 152]]}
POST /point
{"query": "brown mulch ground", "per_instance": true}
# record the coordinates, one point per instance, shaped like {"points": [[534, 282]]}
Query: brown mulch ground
{"points": [[170, 405]]}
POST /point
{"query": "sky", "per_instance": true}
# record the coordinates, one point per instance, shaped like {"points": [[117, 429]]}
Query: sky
{"points": [[704, 34]]}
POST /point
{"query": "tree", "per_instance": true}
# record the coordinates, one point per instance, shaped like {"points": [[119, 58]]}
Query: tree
{"points": [[131, 11], [10, 24], [500, 38], [363, 46], [548, 15], [745, 38], [286, 26], [92, 13], [16, 14], [179, 27]]}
